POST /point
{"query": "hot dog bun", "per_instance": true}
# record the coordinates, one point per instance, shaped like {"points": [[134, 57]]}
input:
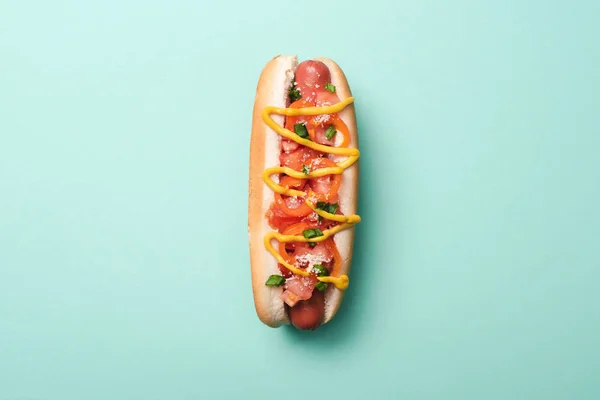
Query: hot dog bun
{"points": [[272, 90]]}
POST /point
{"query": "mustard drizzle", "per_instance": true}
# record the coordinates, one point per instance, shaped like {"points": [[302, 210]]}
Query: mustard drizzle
{"points": [[352, 155]]}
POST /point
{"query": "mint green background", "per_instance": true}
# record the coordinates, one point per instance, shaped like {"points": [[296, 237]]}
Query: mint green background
{"points": [[123, 252]]}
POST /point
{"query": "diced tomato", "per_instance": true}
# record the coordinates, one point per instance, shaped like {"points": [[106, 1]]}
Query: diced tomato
{"points": [[284, 271], [321, 185], [321, 252], [292, 206], [325, 188], [306, 256], [321, 120], [301, 286], [324, 253], [289, 145], [289, 298], [278, 218], [280, 221], [296, 159], [312, 218], [292, 160], [320, 136]]}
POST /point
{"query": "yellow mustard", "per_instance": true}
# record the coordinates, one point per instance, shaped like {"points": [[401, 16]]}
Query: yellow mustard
{"points": [[352, 155]]}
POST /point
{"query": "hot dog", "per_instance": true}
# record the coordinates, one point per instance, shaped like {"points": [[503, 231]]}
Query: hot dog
{"points": [[303, 182]]}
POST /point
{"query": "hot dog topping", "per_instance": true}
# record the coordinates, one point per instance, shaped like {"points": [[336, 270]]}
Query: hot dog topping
{"points": [[321, 286], [305, 210], [275, 280], [320, 270], [330, 132], [327, 207], [295, 93], [301, 131], [312, 233]]}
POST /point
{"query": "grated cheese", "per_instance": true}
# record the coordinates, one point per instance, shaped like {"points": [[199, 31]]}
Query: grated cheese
{"points": [[310, 260]]}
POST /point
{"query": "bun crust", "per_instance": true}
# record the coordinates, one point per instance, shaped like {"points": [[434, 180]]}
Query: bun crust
{"points": [[272, 90]]}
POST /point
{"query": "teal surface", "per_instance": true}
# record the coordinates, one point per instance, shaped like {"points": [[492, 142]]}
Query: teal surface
{"points": [[124, 138]]}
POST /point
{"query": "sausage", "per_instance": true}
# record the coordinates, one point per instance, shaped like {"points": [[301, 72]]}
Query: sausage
{"points": [[308, 314], [311, 73], [311, 77]]}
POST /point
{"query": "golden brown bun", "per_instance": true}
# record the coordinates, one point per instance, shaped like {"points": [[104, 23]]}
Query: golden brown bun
{"points": [[273, 85]]}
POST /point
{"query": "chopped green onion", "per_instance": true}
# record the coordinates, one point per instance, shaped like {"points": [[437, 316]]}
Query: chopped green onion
{"points": [[320, 270], [330, 87], [275, 280], [295, 93], [320, 286], [305, 169], [327, 207], [312, 233], [301, 131], [330, 132]]}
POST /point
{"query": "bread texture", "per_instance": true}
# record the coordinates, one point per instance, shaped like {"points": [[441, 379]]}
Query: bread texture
{"points": [[265, 147]]}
